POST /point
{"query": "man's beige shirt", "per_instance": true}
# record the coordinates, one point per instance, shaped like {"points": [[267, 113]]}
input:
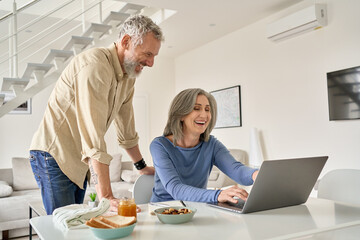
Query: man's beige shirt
{"points": [[91, 92]]}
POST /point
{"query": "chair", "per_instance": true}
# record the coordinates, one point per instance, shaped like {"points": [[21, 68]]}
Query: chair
{"points": [[341, 185], [142, 189], [218, 179]]}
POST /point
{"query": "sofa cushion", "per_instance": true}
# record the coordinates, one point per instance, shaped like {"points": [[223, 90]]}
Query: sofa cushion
{"points": [[5, 189], [129, 176], [16, 206], [214, 175], [115, 168], [23, 177]]}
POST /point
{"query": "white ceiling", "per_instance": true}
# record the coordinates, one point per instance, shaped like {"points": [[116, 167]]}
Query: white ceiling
{"points": [[192, 25], [198, 22]]}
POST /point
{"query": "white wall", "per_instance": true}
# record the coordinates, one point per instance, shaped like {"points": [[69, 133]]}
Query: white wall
{"points": [[156, 84], [283, 85], [17, 130]]}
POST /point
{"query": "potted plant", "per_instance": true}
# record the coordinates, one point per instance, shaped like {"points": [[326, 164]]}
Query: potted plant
{"points": [[92, 202]]}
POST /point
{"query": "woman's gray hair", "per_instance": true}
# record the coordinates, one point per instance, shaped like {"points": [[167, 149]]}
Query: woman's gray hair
{"points": [[137, 27], [182, 105]]}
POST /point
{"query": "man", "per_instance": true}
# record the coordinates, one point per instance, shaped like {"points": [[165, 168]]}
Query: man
{"points": [[96, 88]]}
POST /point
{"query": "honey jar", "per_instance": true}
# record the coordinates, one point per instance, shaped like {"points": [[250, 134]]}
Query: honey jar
{"points": [[127, 207]]}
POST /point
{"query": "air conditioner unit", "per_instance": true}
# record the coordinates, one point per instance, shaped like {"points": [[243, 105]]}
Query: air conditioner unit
{"points": [[305, 20]]}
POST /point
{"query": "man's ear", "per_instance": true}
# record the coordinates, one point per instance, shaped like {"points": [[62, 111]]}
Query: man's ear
{"points": [[125, 41]]}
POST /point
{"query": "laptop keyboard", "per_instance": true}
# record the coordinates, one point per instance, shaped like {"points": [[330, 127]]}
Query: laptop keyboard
{"points": [[239, 204]]}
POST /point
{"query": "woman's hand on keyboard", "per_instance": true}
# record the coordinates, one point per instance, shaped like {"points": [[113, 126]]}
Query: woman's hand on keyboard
{"points": [[232, 194]]}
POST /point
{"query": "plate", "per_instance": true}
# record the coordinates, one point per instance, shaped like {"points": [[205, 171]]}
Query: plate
{"points": [[114, 233], [174, 219]]}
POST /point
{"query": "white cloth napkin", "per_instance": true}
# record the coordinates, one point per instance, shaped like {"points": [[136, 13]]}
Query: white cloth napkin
{"points": [[74, 215]]}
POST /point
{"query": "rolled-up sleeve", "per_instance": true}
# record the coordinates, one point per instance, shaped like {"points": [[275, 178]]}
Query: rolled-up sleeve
{"points": [[91, 104], [125, 123]]}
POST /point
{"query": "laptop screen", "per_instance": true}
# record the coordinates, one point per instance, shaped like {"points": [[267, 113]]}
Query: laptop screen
{"points": [[281, 183]]}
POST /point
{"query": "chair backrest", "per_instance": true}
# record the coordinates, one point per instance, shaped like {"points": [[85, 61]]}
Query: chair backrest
{"points": [[218, 179], [341, 185], [142, 189]]}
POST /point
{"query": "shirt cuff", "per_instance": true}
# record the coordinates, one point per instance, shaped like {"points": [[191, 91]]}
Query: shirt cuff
{"points": [[129, 143], [216, 196], [96, 154]]}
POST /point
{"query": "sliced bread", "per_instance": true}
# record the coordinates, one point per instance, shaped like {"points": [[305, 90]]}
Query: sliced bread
{"points": [[115, 221], [118, 221], [97, 223]]}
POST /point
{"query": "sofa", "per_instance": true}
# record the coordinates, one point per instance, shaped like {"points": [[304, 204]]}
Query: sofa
{"points": [[18, 188]]}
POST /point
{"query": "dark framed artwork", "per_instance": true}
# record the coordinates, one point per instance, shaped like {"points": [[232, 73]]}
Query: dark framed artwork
{"points": [[228, 107], [24, 108]]}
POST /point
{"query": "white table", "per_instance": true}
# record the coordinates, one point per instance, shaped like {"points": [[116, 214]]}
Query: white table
{"points": [[36, 207], [313, 220]]}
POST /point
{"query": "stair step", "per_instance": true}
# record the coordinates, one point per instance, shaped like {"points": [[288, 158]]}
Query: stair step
{"points": [[2, 98], [14, 84], [55, 53], [38, 67], [30, 91], [131, 8], [78, 42], [116, 16], [99, 28]]}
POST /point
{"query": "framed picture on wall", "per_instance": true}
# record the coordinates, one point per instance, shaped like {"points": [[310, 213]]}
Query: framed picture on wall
{"points": [[24, 108], [228, 107]]}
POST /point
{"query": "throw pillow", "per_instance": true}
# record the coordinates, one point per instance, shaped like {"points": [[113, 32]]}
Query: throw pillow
{"points": [[214, 175], [115, 168], [129, 176], [23, 177], [5, 189]]}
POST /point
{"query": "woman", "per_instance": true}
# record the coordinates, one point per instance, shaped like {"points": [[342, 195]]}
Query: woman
{"points": [[184, 156]]}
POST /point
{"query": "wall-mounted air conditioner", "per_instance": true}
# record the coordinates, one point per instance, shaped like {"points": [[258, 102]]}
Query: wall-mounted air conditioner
{"points": [[305, 20]]}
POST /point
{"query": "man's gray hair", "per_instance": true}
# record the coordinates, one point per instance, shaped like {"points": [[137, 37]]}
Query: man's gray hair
{"points": [[182, 105], [137, 27]]}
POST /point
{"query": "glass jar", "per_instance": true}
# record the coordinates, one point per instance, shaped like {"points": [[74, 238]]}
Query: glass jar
{"points": [[127, 207]]}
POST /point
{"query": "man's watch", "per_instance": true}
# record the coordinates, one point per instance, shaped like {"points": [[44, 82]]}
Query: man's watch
{"points": [[140, 164]]}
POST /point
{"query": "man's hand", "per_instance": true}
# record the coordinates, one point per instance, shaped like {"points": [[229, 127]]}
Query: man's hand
{"points": [[114, 203], [228, 195], [147, 171]]}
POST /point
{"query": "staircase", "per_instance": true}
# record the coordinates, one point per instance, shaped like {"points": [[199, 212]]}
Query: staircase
{"points": [[39, 75]]}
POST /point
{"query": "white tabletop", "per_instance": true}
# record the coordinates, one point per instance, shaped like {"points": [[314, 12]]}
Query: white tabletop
{"points": [[315, 218]]}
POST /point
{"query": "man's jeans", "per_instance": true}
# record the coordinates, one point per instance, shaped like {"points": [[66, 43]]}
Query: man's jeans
{"points": [[57, 190]]}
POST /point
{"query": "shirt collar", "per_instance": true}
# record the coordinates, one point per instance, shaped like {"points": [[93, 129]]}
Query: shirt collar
{"points": [[117, 67]]}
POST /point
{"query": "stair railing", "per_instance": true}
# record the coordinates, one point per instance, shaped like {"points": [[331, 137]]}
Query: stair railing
{"points": [[42, 72], [12, 37], [48, 71]]}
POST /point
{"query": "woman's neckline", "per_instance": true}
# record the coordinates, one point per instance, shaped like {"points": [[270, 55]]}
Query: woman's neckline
{"points": [[170, 139]]}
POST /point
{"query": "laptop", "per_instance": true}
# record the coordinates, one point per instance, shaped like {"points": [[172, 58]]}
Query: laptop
{"points": [[279, 183]]}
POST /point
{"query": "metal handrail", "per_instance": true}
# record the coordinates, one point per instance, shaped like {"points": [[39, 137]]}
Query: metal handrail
{"points": [[36, 20], [61, 25], [54, 29], [71, 19], [19, 10]]}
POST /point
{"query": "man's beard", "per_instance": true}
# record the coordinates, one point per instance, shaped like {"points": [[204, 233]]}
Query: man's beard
{"points": [[129, 67]]}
